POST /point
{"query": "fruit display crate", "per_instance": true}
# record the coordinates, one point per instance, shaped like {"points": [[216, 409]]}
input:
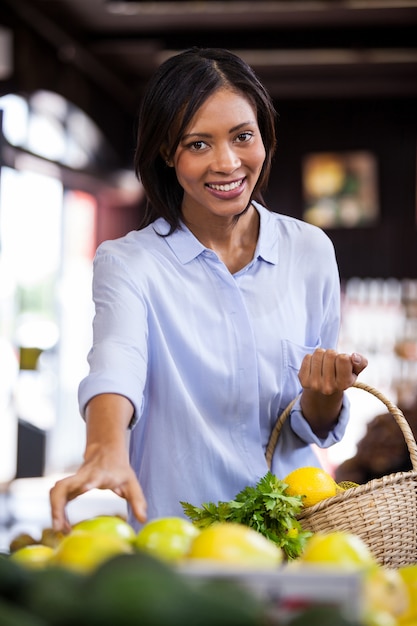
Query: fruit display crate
{"points": [[289, 590]]}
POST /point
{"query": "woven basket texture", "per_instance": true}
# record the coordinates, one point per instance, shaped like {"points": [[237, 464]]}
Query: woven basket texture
{"points": [[383, 512]]}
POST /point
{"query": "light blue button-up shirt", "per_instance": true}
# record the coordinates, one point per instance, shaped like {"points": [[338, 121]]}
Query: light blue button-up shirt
{"points": [[209, 359]]}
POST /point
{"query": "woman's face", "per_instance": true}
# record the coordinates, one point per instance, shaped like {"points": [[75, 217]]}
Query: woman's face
{"points": [[220, 156]]}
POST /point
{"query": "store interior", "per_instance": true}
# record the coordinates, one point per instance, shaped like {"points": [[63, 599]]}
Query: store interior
{"points": [[343, 76]]}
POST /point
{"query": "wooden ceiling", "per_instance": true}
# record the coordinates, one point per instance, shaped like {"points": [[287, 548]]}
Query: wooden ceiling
{"points": [[300, 49]]}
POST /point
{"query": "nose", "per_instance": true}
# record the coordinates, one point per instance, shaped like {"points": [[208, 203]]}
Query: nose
{"points": [[225, 160]]}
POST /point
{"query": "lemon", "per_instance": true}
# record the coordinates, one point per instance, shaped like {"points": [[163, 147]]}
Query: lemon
{"points": [[235, 544], [385, 591], [33, 556], [109, 524], [339, 549], [83, 551], [409, 575], [168, 538], [312, 483]]}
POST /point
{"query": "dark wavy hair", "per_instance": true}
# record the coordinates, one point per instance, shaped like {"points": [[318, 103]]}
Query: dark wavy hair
{"points": [[175, 93]]}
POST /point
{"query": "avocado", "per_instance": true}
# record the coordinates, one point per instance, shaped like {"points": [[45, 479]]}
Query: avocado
{"points": [[13, 580], [54, 595], [139, 589], [13, 615]]}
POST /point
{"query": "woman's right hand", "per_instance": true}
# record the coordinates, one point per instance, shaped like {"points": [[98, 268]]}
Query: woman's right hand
{"points": [[119, 477], [106, 464]]}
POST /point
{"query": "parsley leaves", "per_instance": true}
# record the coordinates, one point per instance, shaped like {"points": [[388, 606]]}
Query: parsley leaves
{"points": [[265, 507]]}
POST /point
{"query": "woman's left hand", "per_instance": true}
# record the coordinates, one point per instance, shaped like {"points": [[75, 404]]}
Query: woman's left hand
{"points": [[328, 371], [324, 376]]}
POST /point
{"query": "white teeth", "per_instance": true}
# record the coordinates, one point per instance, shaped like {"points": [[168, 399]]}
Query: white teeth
{"points": [[227, 187]]}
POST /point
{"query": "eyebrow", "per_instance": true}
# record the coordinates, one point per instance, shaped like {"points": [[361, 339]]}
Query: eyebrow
{"points": [[208, 135]]}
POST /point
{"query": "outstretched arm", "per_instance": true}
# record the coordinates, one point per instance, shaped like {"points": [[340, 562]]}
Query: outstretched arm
{"points": [[106, 461]]}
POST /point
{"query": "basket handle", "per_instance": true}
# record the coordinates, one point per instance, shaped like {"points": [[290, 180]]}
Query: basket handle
{"points": [[394, 410]]}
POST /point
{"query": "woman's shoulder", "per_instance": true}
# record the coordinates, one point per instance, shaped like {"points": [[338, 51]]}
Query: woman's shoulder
{"points": [[133, 243]]}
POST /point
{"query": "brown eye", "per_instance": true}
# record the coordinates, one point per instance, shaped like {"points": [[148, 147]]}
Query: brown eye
{"points": [[196, 146], [244, 137]]}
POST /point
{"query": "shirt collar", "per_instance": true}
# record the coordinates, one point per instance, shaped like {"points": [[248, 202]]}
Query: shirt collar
{"points": [[267, 248], [187, 247]]}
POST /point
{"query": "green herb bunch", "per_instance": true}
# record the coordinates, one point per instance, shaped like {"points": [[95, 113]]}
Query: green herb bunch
{"points": [[266, 508]]}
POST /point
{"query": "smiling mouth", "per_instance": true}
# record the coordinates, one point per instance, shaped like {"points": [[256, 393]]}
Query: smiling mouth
{"points": [[226, 186]]}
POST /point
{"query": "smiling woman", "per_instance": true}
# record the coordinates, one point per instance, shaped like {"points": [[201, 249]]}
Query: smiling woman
{"points": [[211, 316]]}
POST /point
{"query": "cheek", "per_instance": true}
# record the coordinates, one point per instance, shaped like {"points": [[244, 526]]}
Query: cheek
{"points": [[259, 156], [187, 170]]}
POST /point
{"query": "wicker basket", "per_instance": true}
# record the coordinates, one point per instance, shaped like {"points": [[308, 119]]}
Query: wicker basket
{"points": [[383, 512]]}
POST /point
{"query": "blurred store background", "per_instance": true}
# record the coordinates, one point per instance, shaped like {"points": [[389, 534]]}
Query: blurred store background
{"points": [[343, 74]]}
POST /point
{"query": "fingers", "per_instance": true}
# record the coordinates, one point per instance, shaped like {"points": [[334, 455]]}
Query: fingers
{"points": [[359, 363], [69, 488], [134, 495], [61, 493], [337, 371], [328, 371]]}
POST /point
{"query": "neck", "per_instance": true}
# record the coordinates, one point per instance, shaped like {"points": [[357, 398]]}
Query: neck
{"points": [[234, 241]]}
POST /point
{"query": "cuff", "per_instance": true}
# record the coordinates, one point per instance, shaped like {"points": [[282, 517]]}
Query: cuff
{"points": [[302, 428]]}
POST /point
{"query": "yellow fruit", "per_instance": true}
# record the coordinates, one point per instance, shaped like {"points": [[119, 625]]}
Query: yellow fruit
{"points": [[33, 556], [312, 483], [408, 574], [84, 550], [168, 538], [379, 618], [344, 485], [235, 544], [109, 524], [385, 591], [342, 550]]}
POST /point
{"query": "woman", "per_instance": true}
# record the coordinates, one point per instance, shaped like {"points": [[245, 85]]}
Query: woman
{"points": [[213, 315]]}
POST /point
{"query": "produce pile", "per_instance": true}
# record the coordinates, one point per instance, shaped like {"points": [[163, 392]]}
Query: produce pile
{"points": [[104, 573]]}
